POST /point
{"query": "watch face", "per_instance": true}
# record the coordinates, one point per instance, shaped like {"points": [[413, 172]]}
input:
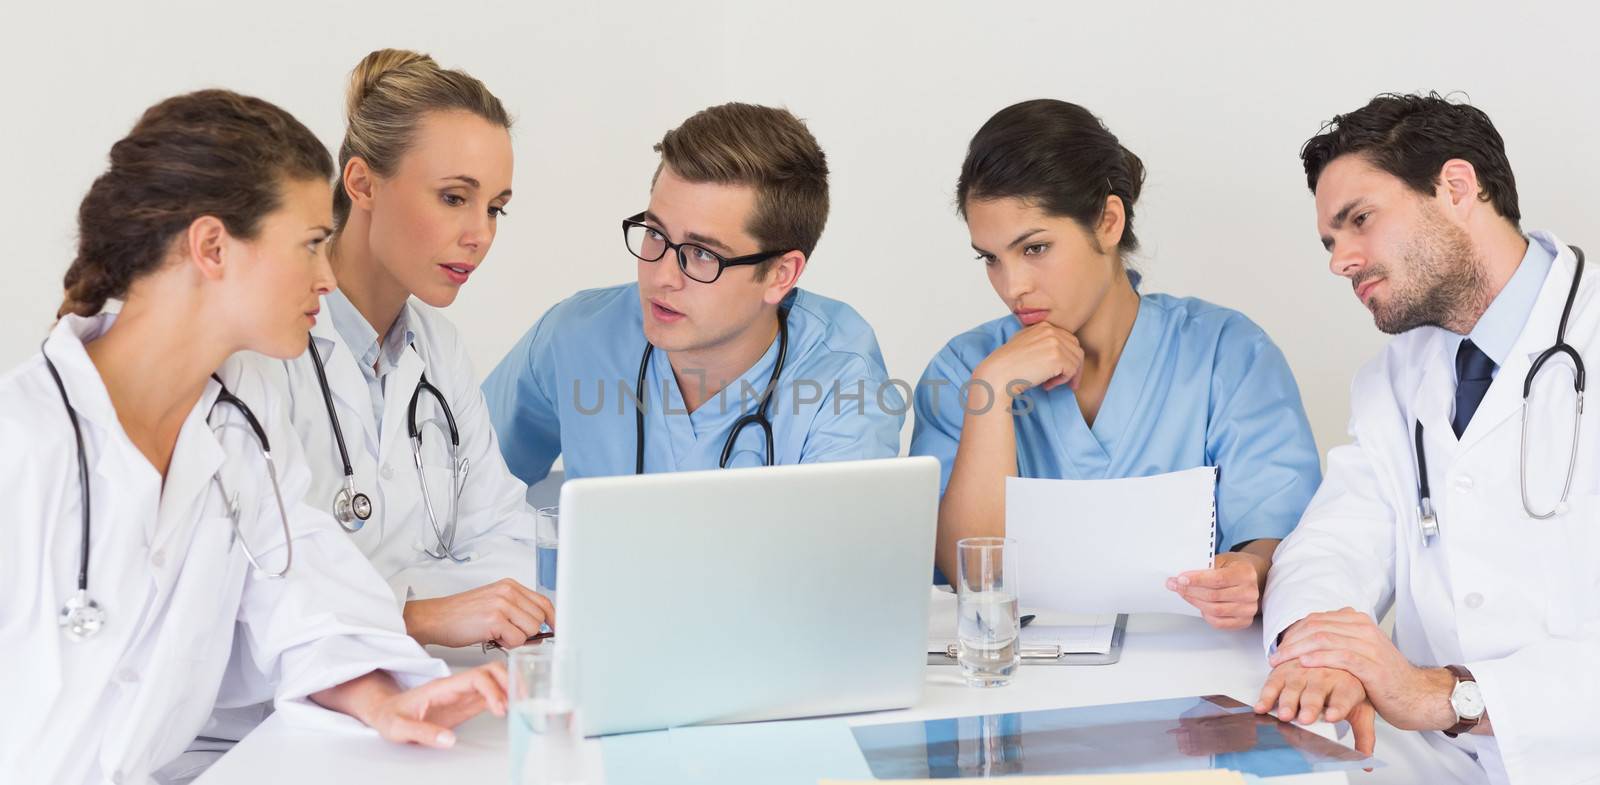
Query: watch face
{"points": [[1467, 700]]}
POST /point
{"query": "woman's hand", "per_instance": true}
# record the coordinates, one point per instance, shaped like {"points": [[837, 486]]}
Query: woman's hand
{"points": [[423, 715], [1228, 595], [426, 714], [505, 612], [1038, 355]]}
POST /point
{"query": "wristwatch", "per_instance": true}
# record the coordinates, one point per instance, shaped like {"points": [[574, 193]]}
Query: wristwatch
{"points": [[1467, 701]]}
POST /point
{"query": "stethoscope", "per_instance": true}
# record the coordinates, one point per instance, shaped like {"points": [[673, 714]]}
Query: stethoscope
{"points": [[352, 508], [81, 617], [758, 417], [1428, 521]]}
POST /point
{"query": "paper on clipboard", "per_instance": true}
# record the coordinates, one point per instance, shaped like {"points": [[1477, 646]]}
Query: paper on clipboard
{"points": [[1109, 546], [1067, 634]]}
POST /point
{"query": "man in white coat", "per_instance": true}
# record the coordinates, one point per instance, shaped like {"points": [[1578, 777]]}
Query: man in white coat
{"points": [[1450, 505]]}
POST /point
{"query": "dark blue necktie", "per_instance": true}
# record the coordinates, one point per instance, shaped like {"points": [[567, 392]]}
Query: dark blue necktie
{"points": [[1474, 372]]}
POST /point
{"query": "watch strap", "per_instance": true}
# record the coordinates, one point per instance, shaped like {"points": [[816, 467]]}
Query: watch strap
{"points": [[1463, 724]]}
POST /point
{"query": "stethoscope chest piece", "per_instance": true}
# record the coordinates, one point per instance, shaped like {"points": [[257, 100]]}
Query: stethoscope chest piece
{"points": [[1428, 521], [351, 507], [81, 618]]}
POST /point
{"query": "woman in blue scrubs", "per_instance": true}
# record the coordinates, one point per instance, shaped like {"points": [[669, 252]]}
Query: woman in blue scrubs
{"points": [[1086, 378]]}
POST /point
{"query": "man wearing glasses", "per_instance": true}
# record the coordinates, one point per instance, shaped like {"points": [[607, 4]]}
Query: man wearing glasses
{"points": [[714, 358]]}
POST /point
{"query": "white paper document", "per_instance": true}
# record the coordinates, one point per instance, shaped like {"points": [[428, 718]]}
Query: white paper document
{"points": [[1109, 546]]}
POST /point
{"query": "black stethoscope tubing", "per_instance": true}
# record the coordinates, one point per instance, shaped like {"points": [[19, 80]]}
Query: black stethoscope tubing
{"points": [[83, 470], [81, 599], [1429, 520], [360, 502], [758, 417], [351, 508]]}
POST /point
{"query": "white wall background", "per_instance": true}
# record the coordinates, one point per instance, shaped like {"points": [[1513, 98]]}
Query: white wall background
{"points": [[1215, 96]]}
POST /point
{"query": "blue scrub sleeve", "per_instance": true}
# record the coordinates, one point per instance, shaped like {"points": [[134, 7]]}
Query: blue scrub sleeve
{"points": [[522, 406], [1259, 439], [859, 418], [940, 414]]}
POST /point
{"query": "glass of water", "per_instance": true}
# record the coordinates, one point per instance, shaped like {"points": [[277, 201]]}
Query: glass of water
{"points": [[547, 538], [987, 624], [546, 739]]}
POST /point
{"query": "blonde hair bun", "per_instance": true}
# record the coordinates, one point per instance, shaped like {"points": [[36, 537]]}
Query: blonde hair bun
{"points": [[375, 66]]}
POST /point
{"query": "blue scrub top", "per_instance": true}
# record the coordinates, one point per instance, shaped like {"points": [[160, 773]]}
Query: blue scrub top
{"points": [[1197, 385], [567, 389]]}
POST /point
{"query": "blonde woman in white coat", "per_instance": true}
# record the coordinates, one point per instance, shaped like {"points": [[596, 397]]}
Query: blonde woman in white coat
{"points": [[425, 175]]}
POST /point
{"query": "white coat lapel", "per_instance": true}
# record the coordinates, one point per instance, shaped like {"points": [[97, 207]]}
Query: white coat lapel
{"points": [[1430, 405], [97, 417], [195, 461], [397, 390], [1433, 401]]}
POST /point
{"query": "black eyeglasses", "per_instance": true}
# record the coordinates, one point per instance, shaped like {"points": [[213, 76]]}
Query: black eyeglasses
{"points": [[696, 261]]}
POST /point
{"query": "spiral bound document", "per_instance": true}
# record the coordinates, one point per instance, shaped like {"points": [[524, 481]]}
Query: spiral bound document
{"points": [[1109, 546]]}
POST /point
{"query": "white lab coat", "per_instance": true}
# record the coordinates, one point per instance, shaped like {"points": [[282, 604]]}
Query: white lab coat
{"points": [[496, 525], [187, 624], [1514, 599]]}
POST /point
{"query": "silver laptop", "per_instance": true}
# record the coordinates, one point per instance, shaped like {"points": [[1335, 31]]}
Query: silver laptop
{"points": [[747, 594]]}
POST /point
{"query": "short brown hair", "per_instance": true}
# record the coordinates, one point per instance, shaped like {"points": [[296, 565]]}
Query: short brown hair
{"points": [[213, 153], [767, 149], [390, 91]]}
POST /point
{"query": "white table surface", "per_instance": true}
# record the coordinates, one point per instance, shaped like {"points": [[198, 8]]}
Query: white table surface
{"points": [[1163, 657]]}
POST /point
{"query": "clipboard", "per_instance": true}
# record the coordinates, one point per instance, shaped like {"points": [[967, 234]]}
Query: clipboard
{"points": [[1044, 657]]}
